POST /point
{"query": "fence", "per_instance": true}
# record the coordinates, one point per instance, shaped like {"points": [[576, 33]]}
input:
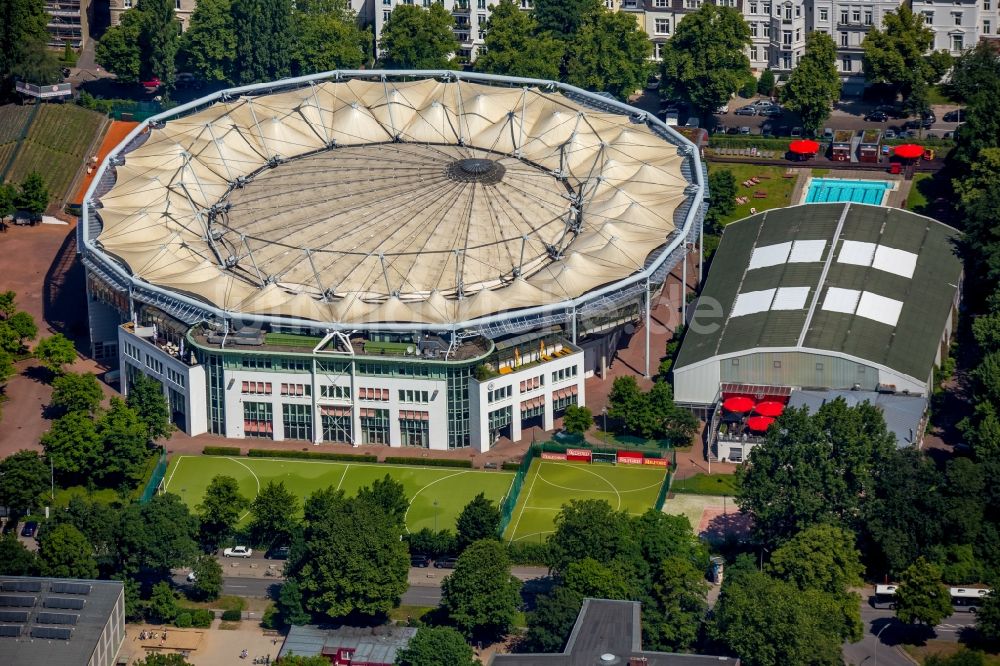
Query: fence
{"points": [[510, 500], [155, 479], [668, 479]]}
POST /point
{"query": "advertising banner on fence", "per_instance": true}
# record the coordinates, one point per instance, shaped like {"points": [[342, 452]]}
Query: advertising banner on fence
{"points": [[630, 458], [660, 462], [553, 456], [578, 454]]}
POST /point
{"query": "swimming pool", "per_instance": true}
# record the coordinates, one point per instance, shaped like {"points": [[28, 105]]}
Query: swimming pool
{"points": [[831, 190]]}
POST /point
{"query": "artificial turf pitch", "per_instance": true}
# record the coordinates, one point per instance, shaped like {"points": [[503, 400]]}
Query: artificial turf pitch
{"points": [[437, 494], [550, 484]]}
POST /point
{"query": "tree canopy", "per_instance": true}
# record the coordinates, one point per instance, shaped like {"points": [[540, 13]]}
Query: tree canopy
{"points": [[146, 398], [479, 519], [220, 509], [55, 351], [436, 646], [814, 84], [24, 480], [264, 39], [515, 46], [272, 514], [144, 44], [73, 392], [921, 598], [64, 552], [157, 536], [23, 33], [208, 47], [899, 53], [33, 194], [481, 597], [417, 38], [609, 53]]}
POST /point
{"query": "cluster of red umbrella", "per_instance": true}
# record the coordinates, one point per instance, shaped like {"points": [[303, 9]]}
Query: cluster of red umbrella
{"points": [[908, 151], [764, 412], [804, 147]]}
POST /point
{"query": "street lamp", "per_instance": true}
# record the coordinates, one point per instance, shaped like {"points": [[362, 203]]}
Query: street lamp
{"points": [[604, 413], [878, 640], [435, 515]]}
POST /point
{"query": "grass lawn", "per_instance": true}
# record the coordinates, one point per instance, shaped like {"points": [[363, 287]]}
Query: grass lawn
{"points": [[779, 190], [550, 484], [917, 198], [437, 494], [944, 649], [935, 95], [703, 484]]}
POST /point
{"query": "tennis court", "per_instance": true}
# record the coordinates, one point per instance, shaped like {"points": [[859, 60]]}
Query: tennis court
{"points": [[437, 494], [550, 484]]}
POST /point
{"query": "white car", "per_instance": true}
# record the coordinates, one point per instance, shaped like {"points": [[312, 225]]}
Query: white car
{"points": [[238, 551], [192, 577]]}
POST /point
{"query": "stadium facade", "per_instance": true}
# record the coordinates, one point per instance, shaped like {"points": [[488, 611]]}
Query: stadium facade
{"points": [[430, 259]]}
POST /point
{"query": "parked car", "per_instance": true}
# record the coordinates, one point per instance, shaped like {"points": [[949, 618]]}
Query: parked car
{"points": [[653, 82], [238, 551], [763, 103], [446, 563], [30, 529], [877, 117], [782, 130], [796, 132], [748, 110], [773, 111], [954, 116], [925, 121], [828, 133], [421, 561], [723, 109], [889, 134], [192, 577], [152, 84], [277, 553], [732, 130], [891, 110], [948, 135], [744, 130], [719, 129]]}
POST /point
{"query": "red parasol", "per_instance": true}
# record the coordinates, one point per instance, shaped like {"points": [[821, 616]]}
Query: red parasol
{"points": [[804, 147], [759, 423], [908, 151], [738, 403], [769, 408]]}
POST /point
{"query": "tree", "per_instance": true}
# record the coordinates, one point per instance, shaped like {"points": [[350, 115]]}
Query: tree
{"points": [[480, 519], [921, 598], [590, 528], [814, 84], [208, 47], [207, 577], [431, 543], [704, 62], [15, 558], [264, 39], [272, 513], [388, 495], [72, 445], [626, 402], [162, 606], [220, 509], [24, 480], [290, 604], [987, 618], [415, 38], [156, 536], [979, 202], [552, 620], [119, 49], [590, 578], [73, 392], [577, 420], [23, 325], [54, 352], [125, 439], [327, 36], [480, 597], [145, 397], [665, 419], [33, 194], [765, 84], [673, 620], [436, 646], [159, 39], [563, 18], [22, 27], [300, 660], [165, 659], [975, 80], [722, 186], [7, 197], [899, 54], [515, 47], [609, 53], [353, 561], [98, 521], [64, 552], [820, 557]]}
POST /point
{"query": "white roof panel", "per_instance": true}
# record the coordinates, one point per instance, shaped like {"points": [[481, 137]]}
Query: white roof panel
{"points": [[790, 298], [879, 308], [857, 253], [769, 255], [753, 301], [806, 250], [891, 260], [841, 300]]}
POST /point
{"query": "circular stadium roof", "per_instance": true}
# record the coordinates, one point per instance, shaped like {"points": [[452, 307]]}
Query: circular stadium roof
{"points": [[376, 200]]}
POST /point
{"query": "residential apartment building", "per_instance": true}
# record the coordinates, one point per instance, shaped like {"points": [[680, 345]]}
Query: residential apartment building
{"points": [[68, 22], [184, 9], [958, 24]]}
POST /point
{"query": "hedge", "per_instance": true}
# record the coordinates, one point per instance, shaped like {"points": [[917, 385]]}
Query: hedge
{"points": [[183, 620], [221, 451], [314, 455], [202, 618], [528, 553], [428, 462], [510, 466], [232, 616]]}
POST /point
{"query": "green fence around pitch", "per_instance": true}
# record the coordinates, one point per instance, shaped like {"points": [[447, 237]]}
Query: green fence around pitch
{"points": [[667, 480], [510, 501], [155, 479]]}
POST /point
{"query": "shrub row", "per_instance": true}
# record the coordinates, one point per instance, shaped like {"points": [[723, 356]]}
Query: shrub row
{"points": [[528, 553], [428, 462], [221, 451], [511, 466], [200, 618], [232, 616], [313, 455]]}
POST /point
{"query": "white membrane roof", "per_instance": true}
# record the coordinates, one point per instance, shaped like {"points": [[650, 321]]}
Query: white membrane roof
{"points": [[751, 302], [879, 308], [399, 201], [841, 300], [790, 298], [881, 257]]}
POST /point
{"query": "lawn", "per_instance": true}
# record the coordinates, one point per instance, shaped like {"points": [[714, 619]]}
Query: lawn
{"points": [[778, 189], [437, 494], [942, 648], [917, 198], [704, 484], [550, 484]]}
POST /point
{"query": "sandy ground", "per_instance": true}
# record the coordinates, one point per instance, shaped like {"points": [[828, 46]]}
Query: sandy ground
{"points": [[205, 647], [712, 517]]}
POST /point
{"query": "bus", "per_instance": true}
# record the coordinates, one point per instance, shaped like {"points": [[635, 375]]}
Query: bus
{"points": [[884, 597], [968, 599]]}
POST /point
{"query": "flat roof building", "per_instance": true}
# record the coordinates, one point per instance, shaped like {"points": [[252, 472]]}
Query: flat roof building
{"points": [[60, 622], [343, 646]]}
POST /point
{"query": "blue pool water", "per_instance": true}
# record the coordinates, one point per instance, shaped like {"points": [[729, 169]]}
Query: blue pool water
{"points": [[823, 190]]}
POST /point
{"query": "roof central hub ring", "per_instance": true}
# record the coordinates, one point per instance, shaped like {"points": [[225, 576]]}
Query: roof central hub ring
{"points": [[476, 170]]}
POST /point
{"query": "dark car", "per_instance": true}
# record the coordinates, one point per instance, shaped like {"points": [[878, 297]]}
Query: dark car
{"points": [[877, 116], [891, 110], [746, 111], [277, 553], [29, 529], [954, 116], [421, 561], [925, 121], [783, 130], [446, 563], [773, 111]]}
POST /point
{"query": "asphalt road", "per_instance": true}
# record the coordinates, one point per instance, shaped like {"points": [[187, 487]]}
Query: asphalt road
{"points": [[884, 634]]}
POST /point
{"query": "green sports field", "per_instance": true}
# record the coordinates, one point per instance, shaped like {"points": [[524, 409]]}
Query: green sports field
{"points": [[450, 488], [550, 484]]}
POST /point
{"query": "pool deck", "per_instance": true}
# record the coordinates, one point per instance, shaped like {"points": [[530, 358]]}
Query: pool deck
{"points": [[896, 198]]}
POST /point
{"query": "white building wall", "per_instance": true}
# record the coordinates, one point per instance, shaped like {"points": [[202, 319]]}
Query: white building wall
{"points": [[956, 24]]}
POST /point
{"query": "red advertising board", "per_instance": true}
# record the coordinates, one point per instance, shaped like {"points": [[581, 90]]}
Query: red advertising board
{"points": [[660, 462], [553, 456], [630, 458], [578, 454]]}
